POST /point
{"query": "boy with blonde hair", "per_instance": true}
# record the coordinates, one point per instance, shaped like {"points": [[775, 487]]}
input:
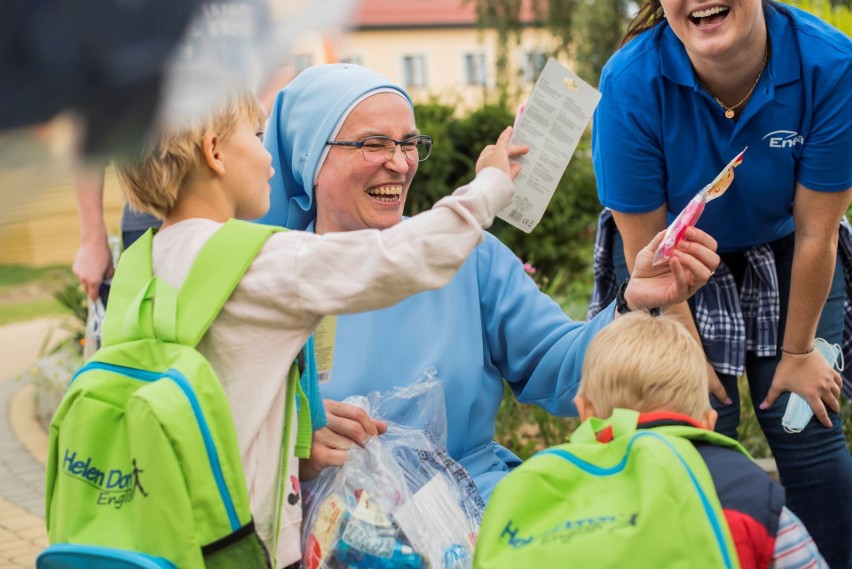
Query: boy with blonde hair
{"points": [[647, 364], [654, 366], [215, 168]]}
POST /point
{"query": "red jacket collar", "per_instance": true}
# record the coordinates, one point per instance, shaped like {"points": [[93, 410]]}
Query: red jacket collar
{"points": [[651, 420]]}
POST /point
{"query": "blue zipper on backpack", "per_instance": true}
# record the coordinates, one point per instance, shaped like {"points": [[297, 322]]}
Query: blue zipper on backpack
{"points": [[184, 385], [705, 502]]}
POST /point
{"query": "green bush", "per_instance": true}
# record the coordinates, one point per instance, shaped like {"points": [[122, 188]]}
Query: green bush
{"points": [[563, 241], [435, 176], [457, 144]]}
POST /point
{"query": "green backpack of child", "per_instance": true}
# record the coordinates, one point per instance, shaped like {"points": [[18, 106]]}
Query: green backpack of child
{"points": [[643, 499], [143, 466]]}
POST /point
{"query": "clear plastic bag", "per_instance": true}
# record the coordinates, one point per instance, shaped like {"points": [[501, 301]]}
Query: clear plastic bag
{"points": [[400, 501], [97, 308], [94, 326]]}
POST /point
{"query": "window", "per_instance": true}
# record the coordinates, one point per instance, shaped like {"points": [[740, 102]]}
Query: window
{"points": [[352, 60], [414, 70], [474, 69], [302, 61], [533, 65]]}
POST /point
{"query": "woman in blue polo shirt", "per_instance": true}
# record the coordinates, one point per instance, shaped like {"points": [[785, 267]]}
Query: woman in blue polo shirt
{"points": [[689, 89]]}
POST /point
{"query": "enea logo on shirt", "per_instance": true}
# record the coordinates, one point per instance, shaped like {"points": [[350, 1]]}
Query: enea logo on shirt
{"points": [[783, 139]]}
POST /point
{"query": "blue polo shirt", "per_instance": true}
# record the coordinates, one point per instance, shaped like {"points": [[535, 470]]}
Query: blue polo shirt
{"points": [[658, 137]]}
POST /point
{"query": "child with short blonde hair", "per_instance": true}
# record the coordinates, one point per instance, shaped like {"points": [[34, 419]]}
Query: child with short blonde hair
{"points": [[214, 167], [152, 179], [646, 364], [654, 366]]}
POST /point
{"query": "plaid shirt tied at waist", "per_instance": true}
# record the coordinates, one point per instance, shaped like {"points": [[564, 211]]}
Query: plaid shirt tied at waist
{"points": [[730, 322]]}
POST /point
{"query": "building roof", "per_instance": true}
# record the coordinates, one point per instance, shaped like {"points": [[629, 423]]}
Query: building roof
{"points": [[390, 14]]}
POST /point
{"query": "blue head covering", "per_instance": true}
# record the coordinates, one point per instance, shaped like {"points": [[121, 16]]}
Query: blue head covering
{"points": [[305, 115]]}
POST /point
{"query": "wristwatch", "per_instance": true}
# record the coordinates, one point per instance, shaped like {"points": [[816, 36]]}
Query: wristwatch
{"points": [[621, 302]]}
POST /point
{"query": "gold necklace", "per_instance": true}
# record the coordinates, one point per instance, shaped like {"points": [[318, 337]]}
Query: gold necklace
{"points": [[730, 111]]}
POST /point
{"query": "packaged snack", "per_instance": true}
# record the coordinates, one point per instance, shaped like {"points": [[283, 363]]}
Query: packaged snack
{"points": [[688, 217]]}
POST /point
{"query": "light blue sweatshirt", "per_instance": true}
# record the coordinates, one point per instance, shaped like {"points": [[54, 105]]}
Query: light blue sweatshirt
{"points": [[491, 322]]}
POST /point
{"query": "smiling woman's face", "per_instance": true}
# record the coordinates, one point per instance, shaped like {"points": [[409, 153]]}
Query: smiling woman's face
{"points": [[353, 194], [714, 28]]}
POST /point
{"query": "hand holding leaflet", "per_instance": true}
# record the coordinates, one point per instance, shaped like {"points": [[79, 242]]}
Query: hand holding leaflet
{"points": [[550, 124], [688, 217]]}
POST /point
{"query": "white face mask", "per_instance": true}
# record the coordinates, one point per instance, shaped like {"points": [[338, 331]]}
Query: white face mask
{"points": [[798, 413]]}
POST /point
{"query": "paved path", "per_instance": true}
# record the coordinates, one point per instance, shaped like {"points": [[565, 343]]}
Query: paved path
{"points": [[23, 446]]}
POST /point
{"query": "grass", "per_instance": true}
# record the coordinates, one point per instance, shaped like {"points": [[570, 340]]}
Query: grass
{"points": [[27, 292], [14, 275], [19, 312]]}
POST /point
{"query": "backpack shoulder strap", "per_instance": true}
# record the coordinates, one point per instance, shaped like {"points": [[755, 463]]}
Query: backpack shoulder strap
{"points": [[135, 293], [622, 422], [215, 274], [132, 276], [702, 435]]}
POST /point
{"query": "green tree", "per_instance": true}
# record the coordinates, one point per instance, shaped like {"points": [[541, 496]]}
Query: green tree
{"points": [[435, 176], [504, 16], [587, 31], [457, 143], [562, 242], [838, 13], [598, 27]]}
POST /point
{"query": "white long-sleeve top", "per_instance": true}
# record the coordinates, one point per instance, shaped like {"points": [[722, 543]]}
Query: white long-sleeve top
{"points": [[295, 280]]}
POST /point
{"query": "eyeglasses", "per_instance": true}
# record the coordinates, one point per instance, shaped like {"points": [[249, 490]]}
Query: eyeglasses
{"points": [[380, 149]]}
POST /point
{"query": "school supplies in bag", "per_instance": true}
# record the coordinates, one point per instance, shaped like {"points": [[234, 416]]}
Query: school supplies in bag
{"points": [[94, 322], [399, 502], [143, 464], [97, 307], [643, 499]]}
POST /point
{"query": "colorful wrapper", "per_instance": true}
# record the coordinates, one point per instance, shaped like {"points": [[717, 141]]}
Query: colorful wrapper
{"points": [[688, 217]]}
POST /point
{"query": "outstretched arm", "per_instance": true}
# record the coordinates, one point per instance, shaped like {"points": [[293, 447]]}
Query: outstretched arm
{"points": [[355, 271]]}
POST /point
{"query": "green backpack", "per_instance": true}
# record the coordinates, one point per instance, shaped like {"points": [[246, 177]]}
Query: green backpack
{"points": [[143, 466], [644, 499]]}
